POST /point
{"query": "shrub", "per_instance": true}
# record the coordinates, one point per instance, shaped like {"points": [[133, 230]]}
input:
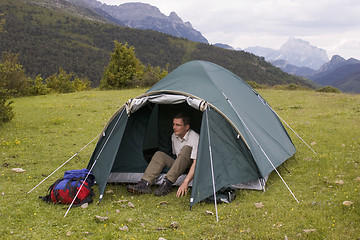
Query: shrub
{"points": [[60, 83], [253, 84], [66, 82], [291, 87], [81, 84], [38, 87], [152, 75], [328, 89]]}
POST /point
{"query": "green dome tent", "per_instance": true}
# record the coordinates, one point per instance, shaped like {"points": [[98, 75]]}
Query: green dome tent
{"points": [[241, 138]]}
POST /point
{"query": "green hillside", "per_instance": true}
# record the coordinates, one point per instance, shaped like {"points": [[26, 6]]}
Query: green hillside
{"points": [[52, 34]]}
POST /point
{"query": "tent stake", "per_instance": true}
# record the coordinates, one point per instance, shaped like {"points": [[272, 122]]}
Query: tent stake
{"points": [[63, 164]]}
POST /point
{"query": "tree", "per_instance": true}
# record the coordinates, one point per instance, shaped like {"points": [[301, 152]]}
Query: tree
{"points": [[12, 75], [6, 113], [123, 70]]}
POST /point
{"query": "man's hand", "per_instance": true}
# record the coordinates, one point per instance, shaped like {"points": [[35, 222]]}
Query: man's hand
{"points": [[182, 190]]}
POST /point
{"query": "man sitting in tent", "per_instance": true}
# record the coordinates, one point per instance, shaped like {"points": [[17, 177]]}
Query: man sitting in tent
{"points": [[184, 147]]}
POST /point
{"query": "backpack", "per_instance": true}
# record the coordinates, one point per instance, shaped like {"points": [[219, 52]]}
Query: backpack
{"points": [[64, 189]]}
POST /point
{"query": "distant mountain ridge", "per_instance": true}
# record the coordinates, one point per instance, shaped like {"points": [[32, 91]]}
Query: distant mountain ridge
{"points": [[144, 16], [292, 69], [224, 46], [340, 73], [298, 57], [335, 62], [295, 52]]}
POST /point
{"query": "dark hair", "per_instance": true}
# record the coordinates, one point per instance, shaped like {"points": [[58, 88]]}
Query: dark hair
{"points": [[184, 116]]}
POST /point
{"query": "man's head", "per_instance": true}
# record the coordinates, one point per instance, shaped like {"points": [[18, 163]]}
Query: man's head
{"points": [[181, 124]]}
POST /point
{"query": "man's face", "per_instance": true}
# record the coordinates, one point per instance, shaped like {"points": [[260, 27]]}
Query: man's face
{"points": [[179, 127]]}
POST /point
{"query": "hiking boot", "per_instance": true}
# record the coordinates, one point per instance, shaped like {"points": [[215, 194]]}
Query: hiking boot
{"points": [[141, 187], [165, 188]]}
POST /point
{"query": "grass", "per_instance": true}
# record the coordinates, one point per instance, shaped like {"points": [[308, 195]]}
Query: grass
{"points": [[47, 130]]}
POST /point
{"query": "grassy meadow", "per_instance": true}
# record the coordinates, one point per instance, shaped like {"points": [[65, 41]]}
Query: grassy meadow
{"points": [[48, 130]]}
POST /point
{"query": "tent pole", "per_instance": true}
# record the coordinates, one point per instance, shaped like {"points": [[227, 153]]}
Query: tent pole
{"points": [[77, 193], [211, 164], [64, 163]]}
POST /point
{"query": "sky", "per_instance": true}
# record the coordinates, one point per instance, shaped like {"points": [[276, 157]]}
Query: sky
{"points": [[333, 25]]}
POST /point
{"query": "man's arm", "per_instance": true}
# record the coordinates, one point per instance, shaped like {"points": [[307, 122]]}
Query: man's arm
{"points": [[182, 190]]}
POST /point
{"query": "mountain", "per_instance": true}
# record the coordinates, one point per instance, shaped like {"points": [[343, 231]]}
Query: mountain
{"points": [[261, 51], [335, 62], [224, 46], [346, 78], [340, 73], [292, 69], [298, 57], [144, 16], [300, 53], [53, 34], [296, 52]]}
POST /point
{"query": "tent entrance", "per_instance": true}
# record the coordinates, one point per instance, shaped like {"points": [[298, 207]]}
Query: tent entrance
{"points": [[159, 128], [162, 108], [149, 129]]}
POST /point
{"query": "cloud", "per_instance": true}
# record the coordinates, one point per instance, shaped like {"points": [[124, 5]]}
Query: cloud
{"points": [[346, 45], [329, 24]]}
